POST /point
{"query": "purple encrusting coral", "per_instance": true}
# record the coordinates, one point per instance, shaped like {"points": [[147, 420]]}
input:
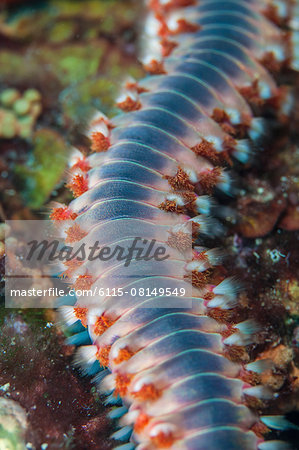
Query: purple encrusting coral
{"points": [[179, 371]]}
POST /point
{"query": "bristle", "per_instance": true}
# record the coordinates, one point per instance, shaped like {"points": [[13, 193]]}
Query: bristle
{"points": [[86, 355], [278, 423], [100, 142], [68, 314], [62, 213], [275, 445], [78, 185], [74, 234], [259, 366], [123, 434], [208, 225], [128, 102], [163, 435], [230, 287], [260, 392], [117, 413]]}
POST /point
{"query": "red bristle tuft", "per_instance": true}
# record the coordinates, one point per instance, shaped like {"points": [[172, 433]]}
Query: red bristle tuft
{"points": [[141, 422], [147, 392], [78, 185], [83, 282], [74, 234], [129, 104], [122, 382], [167, 47], [63, 213], [71, 265], [163, 439], [134, 86], [103, 355], [100, 143], [81, 164], [155, 67], [185, 27]]}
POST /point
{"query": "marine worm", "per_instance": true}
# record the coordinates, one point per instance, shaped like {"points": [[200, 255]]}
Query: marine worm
{"points": [[153, 173]]}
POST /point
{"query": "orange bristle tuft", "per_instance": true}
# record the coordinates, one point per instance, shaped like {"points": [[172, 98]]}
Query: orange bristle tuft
{"points": [[74, 234], [102, 324], [83, 282], [81, 164], [123, 355], [175, 4], [180, 240], [71, 265], [185, 27], [134, 86], [155, 67], [81, 314], [129, 104], [147, 392], [63, 213], [103, 355], [171, 206], [180, 180], [209, 179], [200, 279], [167, 47], [99, 142], [163, 440], [78, 185], [141, 422], [122, 382]]}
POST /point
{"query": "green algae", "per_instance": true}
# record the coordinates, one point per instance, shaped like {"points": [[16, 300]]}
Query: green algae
{"points": [[45, 169]]}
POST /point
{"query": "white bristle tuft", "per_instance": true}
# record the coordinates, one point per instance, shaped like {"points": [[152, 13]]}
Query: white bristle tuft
{"points": [[230, 287], [260, 392], [257, 128], [234, 115], [248, 327], [165, 428], [123, 434], [242, 151], [204, 204], [108, 384], [219, 301], [237, 339], [216, 142], [117, 413], [174, 197], [86, 354], [260, 366], [124, 95], [130, 418], [191, 174], [224, 183], [208, 225], [264, 90], [68, 314], [275, 445], [278, 423]]}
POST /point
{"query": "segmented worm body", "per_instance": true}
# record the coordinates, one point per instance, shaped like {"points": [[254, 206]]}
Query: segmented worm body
{"points": [[213, 67]]}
